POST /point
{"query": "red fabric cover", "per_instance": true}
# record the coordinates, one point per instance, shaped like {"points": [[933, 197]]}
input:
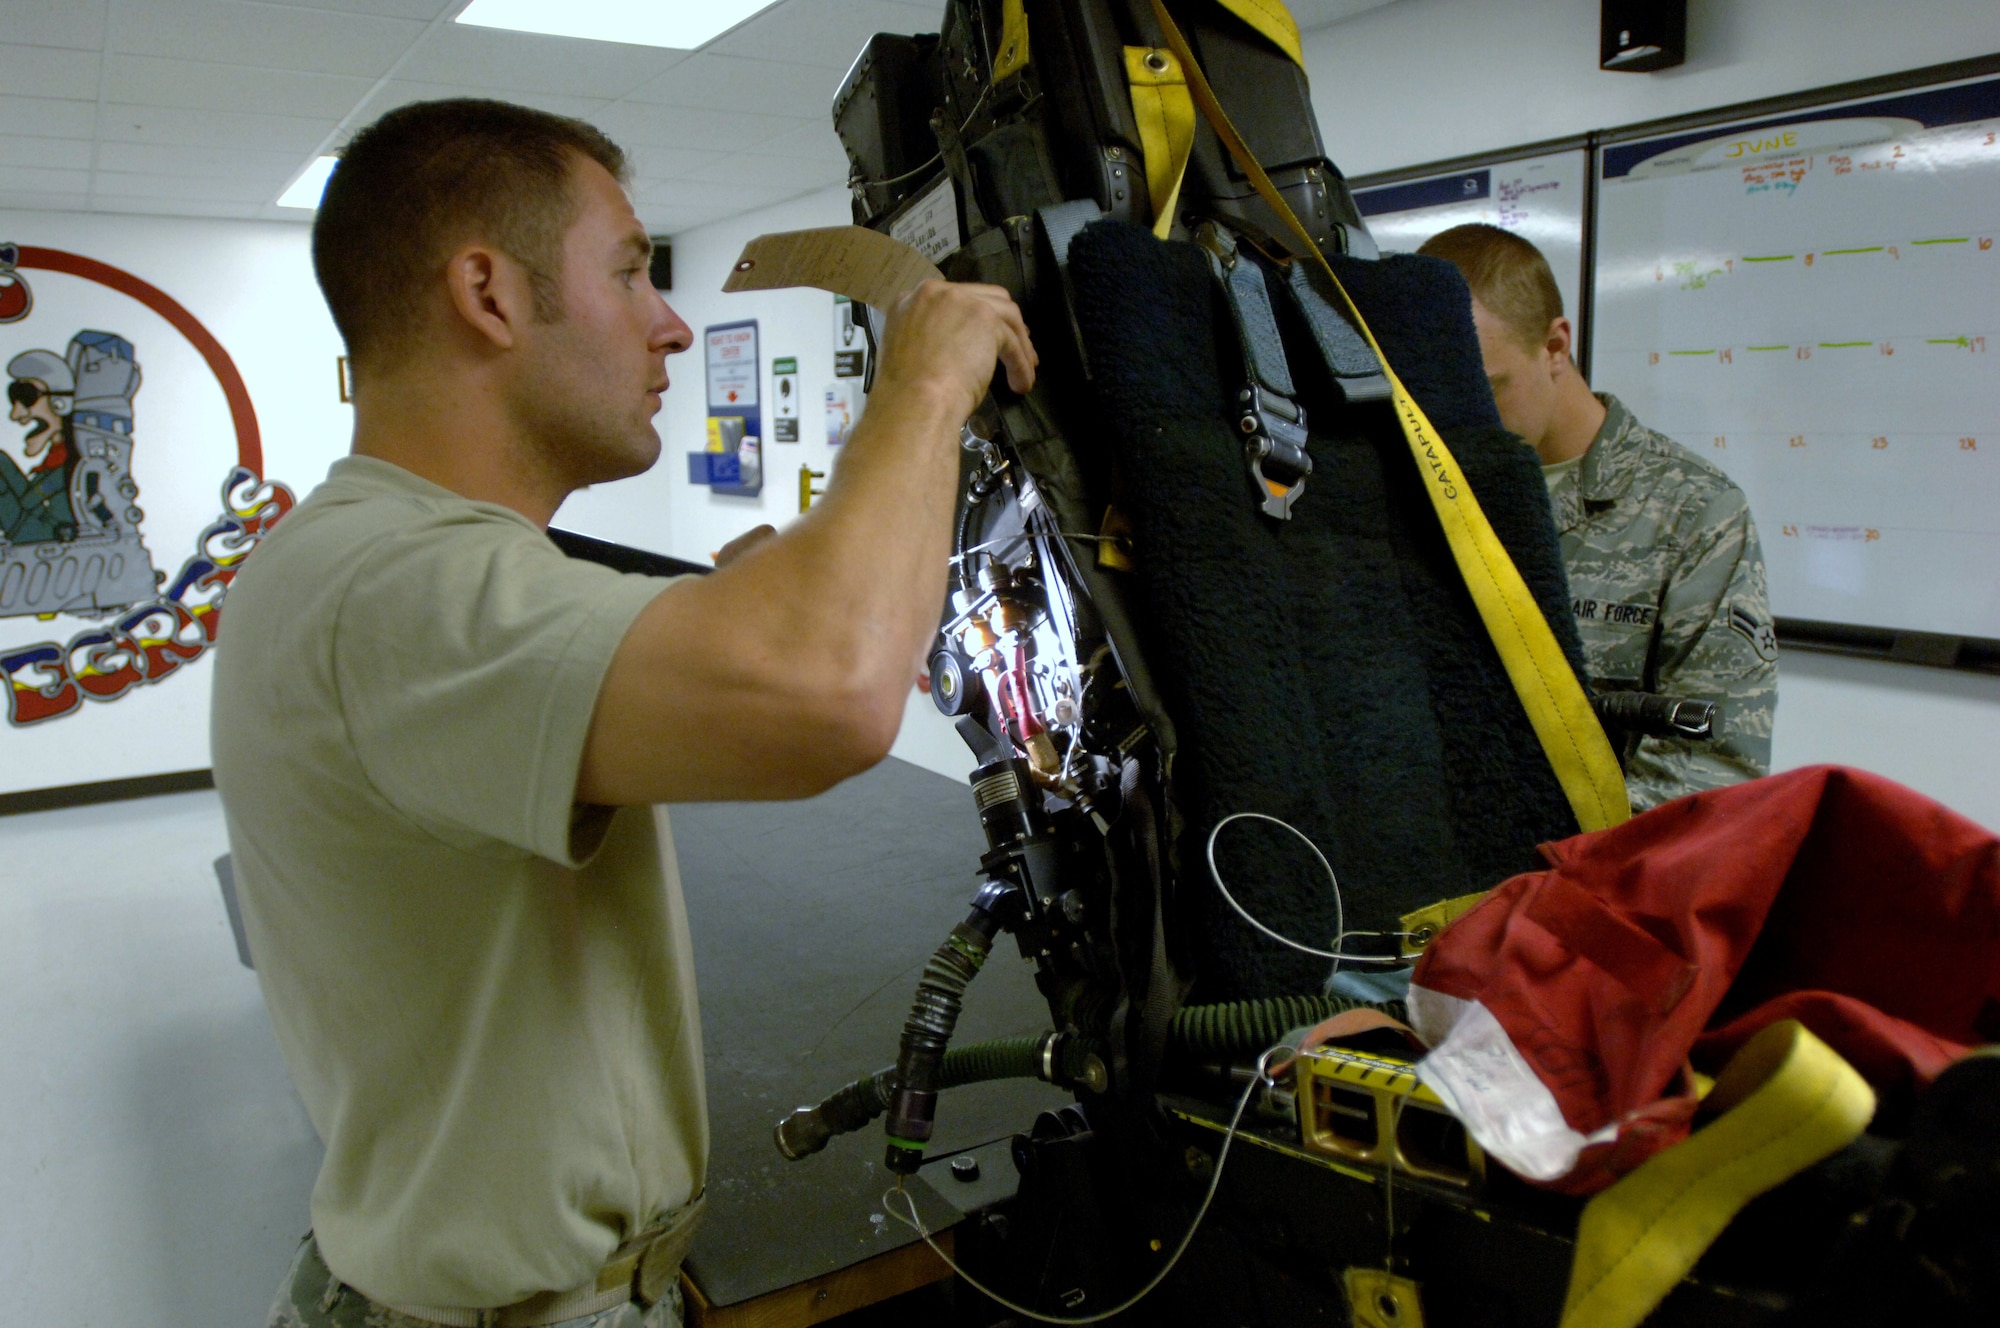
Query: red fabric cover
{"points": [[1861, 908]]}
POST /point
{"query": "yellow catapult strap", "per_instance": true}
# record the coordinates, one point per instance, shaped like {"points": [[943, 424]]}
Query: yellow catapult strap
{"points": [[1273, 20], [1165, 113], [1787, 1099], [1554, 700], [1013, 54]]}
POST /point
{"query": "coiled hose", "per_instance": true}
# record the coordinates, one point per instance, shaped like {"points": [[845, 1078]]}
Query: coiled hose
{"points": [[1244, 1028], [1234, 1029]]}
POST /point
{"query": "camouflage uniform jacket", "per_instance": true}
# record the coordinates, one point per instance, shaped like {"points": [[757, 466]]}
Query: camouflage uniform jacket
{"points": [[1666, 581]]}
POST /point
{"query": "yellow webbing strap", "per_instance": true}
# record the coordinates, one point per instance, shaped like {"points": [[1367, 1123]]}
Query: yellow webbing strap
{"points": [[1554, 700], [1787, 1101], [1013, 54], [1165, 112], [1428, 923], [1271, 18]]}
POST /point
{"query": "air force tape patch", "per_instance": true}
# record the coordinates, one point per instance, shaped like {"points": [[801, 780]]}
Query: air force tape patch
{"points": [[1763, 638], [1617, 615]]}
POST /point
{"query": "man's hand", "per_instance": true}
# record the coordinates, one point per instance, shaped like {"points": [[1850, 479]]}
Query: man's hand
{"points": [[944, 337]]}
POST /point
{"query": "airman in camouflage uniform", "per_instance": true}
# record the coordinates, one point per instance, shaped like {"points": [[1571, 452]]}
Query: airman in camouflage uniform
{"points": [[1666, 581], [1665, 574]]}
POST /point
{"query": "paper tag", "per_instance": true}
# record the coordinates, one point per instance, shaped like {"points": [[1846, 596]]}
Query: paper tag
{"points": [[854, 261]]}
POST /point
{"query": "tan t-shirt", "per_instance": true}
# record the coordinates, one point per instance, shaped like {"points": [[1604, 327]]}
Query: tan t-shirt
{"points": [[485, 993]]}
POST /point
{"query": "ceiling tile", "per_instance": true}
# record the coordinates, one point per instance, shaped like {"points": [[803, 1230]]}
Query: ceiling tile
{"points": [[55, 153], [265, 36], [48, 71], [524, 62], [153, 206], [724, 200], [402, 93], [36, 200], [422, 10], [686, 127], [215, 129], [671, 219], [77, 23], [145, 81], [657, 163], [49, 116], [814, 141], [828, 33], [723, 81], [199, 162], [760, 172], [43, 179], [1312, 14], [121, 184]]}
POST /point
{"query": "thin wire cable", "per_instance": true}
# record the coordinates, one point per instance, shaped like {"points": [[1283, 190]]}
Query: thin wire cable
{"points": [[937, 156], [1340, 932], [1261, 1079], [963, 554]]}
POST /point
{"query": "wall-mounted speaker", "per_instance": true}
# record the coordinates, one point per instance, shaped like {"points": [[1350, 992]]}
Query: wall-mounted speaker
{"points": [[661, 270], [1640, 36]]}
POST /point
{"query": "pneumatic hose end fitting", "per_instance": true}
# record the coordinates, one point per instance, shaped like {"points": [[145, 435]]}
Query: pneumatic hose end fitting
{"points": [[927, 1032]]}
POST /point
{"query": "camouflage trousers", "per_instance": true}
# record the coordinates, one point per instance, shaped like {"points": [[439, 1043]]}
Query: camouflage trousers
{"points": [[312, 1297]]}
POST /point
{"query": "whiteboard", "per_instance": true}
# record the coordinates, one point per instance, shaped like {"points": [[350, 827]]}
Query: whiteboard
{"points": [[1541, 198], [1812, 301]]}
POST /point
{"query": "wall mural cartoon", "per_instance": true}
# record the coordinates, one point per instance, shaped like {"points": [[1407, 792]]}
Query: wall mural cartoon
{"points": [[73, 535]]}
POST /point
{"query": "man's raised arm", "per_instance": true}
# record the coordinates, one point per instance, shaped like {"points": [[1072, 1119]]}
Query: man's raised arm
{"points": [[786, 670]]}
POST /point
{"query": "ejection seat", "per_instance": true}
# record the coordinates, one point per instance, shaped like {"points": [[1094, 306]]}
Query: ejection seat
{"points": [[1252, 594]]}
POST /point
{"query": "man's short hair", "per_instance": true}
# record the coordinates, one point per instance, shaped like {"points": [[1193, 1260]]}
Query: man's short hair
{"points": [[429, 177], [1507, 275]]}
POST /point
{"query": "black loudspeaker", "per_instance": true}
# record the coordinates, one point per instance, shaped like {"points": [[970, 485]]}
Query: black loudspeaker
{"points": [[1640, 36], [661, 270]]}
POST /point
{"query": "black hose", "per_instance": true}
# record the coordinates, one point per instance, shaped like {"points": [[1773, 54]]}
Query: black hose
{"points": [[926, 1034], [808, 1129], [1244, 1028], [1235, 1029]]}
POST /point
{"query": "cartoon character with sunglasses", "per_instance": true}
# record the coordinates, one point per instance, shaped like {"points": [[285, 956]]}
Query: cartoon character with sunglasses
{"points": [[35, 504], [70, 536]]}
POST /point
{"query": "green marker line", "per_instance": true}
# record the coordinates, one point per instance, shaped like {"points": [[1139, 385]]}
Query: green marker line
{"points": [[1767, 348], [1947, 341], [1956, 239], [1771, 258], [1710, 351], [1871, 249], [1837, 345]]}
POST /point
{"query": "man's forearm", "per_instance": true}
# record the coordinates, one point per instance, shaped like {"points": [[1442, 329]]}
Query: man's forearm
{"points": [[788, 669]]}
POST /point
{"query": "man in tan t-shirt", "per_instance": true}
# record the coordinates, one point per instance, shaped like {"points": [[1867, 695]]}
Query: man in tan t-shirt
{"points": [[439, 742]]}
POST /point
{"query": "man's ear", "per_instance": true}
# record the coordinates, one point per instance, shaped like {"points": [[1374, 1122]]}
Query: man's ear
{"points": [[1559, 343], [490, 293]]}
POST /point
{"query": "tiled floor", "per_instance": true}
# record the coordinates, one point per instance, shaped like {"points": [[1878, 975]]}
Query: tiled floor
{"points": [[155, 1164], [155, 1161]]}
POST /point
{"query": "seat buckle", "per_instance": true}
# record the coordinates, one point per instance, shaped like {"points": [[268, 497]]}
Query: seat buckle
{"points": [[1274, 449]]}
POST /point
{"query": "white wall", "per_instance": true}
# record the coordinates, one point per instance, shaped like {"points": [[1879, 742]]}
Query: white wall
{"points": [[662, 511], [251, 285], [1424, 80]]}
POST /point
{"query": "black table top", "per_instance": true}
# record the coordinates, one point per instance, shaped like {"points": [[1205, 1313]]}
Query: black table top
{"points": [[811, 924]]}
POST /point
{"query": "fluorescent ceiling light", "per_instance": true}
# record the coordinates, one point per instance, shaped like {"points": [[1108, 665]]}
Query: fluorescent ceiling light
{"points": [[305, 190], [681, 25]]}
